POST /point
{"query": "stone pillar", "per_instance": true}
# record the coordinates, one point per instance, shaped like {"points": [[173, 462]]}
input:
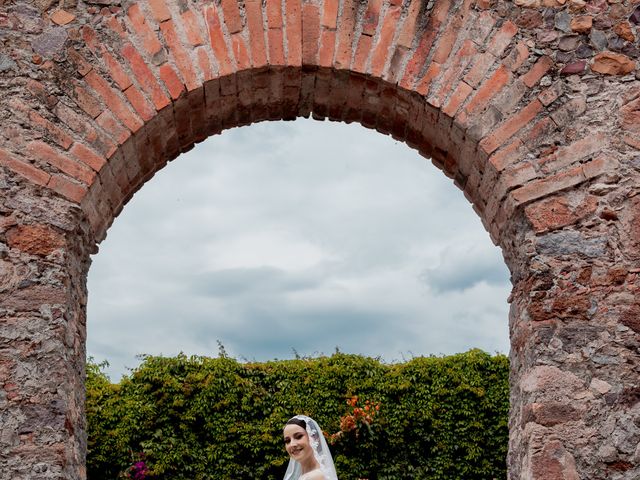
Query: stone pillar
{"points": [[42, 336], [574, 322]]}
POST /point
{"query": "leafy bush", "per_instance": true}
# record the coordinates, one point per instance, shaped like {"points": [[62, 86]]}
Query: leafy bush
{"points": [[197, 418]]}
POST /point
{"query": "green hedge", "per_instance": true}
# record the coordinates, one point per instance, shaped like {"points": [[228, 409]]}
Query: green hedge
{"points": [[216, 418]]}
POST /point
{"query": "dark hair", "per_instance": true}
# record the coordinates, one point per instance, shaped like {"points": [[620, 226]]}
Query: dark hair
{"points": [[297, 421]]}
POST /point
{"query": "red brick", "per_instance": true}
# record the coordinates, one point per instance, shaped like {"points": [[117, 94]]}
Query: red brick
{"points": [[38, 90], [115, 103], [68, 189], [171, 80], [35, 239], [373, 106], [546, 186], [481, 64], [446, 42], [432, 72], [88, 156], [482, 26], [362, 54], [311, 30], [293, 32], [338, 97], [24, 169], [145, 77], [115, 24], [197, 109], [574, 152], [449, 77], [159, 10], [192, 28], [551, 94], [321, 92], [345, 33], [110, 188], [119, 171], [539, 70], [110, 125], [157, 143], [231, 13], [116, 71], [54, 132], [96, 220], [385, 110], [353, 107], [218, 43], [240, 52], [82, 66], [502, 38], [131, 162], [274, 14], [539, 133], [276, 91], [327, 46], [90, 38], [381, 49], [75, 122], [371, 17], [276, 47], [598, 166], [417, 61], [77, 170], [517, 56], [204, 64], [557, 212], [512, 125], [498, 161], [253, 11], [140, 103], [184, 121], [447, 39], [229, 86], [181, 55], [330, 14], [408, 31], [458, 97], [143, 30], [509, 100], [491, 87], [513, 177], [98, 139]]}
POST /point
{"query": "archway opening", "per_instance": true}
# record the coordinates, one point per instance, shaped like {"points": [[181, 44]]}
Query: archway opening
{"points": [[299, 236]]}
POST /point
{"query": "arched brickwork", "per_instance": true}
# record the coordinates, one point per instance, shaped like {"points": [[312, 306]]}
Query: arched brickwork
{"points": [[532, 107]]}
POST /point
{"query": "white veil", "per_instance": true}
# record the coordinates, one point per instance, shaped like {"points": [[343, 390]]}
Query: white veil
{"points": [[320, 452]]}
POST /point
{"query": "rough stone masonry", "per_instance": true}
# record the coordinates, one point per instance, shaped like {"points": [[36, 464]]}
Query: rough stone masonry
{"points": [[532, 107]]}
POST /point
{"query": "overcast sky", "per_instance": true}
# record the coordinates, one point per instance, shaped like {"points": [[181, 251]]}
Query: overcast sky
{"points": [[300, 236]]}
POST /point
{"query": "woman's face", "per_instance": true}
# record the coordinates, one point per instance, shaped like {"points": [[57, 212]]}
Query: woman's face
{"points": [[296, 441]]}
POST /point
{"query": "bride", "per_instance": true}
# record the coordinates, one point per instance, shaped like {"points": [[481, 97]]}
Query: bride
{"points": [[309, 452]]}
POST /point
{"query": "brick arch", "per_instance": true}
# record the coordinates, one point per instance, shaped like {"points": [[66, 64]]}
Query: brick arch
{"points": [[515, 102]]}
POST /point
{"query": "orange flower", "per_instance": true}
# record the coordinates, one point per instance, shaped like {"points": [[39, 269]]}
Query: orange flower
{"points": [[347, 423]]}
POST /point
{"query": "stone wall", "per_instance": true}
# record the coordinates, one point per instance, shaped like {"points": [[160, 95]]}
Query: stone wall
{"points": [[531, 107]]}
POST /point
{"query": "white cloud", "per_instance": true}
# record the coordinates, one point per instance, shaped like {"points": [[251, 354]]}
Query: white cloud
{"points": [[297, 235]]}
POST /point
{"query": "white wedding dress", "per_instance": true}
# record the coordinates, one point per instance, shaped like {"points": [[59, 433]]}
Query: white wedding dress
{"points": [[320, 452], [310, 475]]}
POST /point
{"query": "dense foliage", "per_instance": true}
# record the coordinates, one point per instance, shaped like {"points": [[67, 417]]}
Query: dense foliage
{"points": [[216, 418]]}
